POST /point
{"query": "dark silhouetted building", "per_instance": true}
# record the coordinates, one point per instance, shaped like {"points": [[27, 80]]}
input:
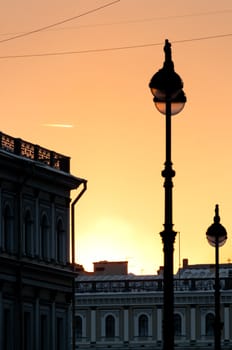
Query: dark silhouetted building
{"points": [[36, 275]]}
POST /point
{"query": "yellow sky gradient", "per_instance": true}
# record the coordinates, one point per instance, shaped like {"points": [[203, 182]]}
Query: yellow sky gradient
{"points": [[117, 136]]}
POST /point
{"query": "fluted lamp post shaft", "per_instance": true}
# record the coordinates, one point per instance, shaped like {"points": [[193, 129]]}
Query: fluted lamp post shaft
{"points": [[169, 98]]}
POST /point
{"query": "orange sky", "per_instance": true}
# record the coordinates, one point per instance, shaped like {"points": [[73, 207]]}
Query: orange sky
{"points": [[117, 139]]}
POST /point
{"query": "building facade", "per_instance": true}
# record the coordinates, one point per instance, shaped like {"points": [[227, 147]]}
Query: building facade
{"points": [[36, 274], [125, 311]]}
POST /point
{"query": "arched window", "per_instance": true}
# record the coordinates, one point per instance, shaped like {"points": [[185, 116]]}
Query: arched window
{"points": [[44, 238], [7, 229], [60, 242], [27, 328], [177, 324], [110, 326], [28, 234], [143, 326], [44, 339], [79, 327], [209, 324], [60, 333]]}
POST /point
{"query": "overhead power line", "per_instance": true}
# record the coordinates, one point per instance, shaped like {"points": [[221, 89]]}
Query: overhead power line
{"points": [[18, 36], [151, 19], [62, 53], [134, 21]]}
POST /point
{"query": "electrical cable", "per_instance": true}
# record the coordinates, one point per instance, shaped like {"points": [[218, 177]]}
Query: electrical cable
{"points": [[57, 23], [142, 20], [114, 48]]}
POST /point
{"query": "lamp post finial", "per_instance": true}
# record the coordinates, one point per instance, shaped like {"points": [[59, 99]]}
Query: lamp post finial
{"points": [[168, 63], [217, 217], [168, 51]]}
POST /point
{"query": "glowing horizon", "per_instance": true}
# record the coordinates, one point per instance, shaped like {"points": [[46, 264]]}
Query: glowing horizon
{"points": [[96, 108]]}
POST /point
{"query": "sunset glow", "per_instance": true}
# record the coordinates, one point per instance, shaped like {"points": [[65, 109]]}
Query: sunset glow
{"points": [[104, 118]]}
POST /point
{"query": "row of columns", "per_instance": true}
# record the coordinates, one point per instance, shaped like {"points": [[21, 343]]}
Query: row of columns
{"points": [[93, 327], [192, 326], [36, 324]]}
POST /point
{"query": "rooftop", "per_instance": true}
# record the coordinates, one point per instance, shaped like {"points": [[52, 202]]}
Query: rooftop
{"points": [[196, 277], [33, 152]]}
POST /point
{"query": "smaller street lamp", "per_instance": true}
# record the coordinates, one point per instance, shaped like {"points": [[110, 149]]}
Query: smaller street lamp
{"points": [[216, 236]]}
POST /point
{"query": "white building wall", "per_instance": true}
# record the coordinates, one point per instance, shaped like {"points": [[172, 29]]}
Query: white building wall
{"points": [[192, 307]]}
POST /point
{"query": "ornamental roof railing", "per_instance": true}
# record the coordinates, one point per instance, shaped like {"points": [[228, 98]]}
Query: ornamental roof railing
{"points": [[34, 152], [149, 285]]}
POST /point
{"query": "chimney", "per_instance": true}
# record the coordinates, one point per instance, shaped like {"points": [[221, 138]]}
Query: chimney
{"points": [[185, 263]]}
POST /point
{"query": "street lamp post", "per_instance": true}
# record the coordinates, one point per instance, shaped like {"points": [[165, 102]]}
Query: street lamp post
{"points": [[169, 98], [216, 236]]}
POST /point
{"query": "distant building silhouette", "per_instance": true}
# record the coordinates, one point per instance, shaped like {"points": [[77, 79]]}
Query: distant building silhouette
{"points": [[110, 268], [36, 275], [124, 311]]}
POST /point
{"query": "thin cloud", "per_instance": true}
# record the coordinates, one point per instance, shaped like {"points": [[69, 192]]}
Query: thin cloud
{"points": [[58, 125]]}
